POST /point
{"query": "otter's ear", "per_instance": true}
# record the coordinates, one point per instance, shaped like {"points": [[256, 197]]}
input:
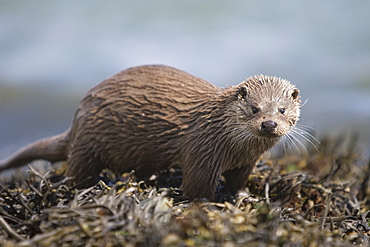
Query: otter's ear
{"points": [[242, 92], [295, 94]]}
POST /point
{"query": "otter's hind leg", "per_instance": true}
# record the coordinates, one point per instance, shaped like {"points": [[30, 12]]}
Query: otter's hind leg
{"points": [[83, 167]]}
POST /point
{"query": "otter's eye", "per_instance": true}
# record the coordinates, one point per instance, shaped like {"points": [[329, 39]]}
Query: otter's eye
{"points": [[282, 110], [254, 110]]}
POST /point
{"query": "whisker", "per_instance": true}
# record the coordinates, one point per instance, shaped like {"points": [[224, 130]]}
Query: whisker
{"points": [[304, 103], [307, 136], [299, 142], [305, 127], [295, 143], [289, 145]]}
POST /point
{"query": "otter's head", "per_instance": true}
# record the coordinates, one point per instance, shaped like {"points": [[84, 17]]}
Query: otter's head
{"points": [[267, 107]]}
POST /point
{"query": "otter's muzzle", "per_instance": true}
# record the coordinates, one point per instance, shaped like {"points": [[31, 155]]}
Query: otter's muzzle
{"points": [[268, 127]]}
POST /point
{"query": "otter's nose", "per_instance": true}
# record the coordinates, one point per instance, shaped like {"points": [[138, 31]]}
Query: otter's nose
{"points": [[268, 126]]}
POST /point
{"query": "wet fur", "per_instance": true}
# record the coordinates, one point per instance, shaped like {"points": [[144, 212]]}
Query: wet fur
{"points": [[154, 117]]}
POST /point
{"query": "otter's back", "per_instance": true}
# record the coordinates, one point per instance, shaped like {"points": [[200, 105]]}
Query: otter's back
{"points": [[155, 82], [137, 117]]}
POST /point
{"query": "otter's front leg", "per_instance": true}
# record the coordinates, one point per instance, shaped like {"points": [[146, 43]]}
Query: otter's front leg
{"points": [[236, 179], [199, 183]]}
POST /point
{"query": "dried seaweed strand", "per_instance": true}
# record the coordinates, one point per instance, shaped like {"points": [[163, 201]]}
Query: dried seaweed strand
{"points": [[327, 206], [9, 229]]}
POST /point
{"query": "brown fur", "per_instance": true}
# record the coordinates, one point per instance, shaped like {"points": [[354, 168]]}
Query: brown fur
{"points": [[154, 117]]}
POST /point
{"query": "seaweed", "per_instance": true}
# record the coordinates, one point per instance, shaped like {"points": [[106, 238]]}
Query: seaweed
{"points": [[316, 199]]}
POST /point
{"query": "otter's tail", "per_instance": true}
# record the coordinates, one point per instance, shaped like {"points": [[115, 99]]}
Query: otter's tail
{"points": [[51, 148]]}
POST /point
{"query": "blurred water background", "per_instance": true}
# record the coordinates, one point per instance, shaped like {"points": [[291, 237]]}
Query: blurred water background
{"points": [[52, 52]]}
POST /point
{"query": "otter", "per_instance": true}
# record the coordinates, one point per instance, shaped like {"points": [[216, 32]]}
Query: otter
{"points": [[154, 117]]}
